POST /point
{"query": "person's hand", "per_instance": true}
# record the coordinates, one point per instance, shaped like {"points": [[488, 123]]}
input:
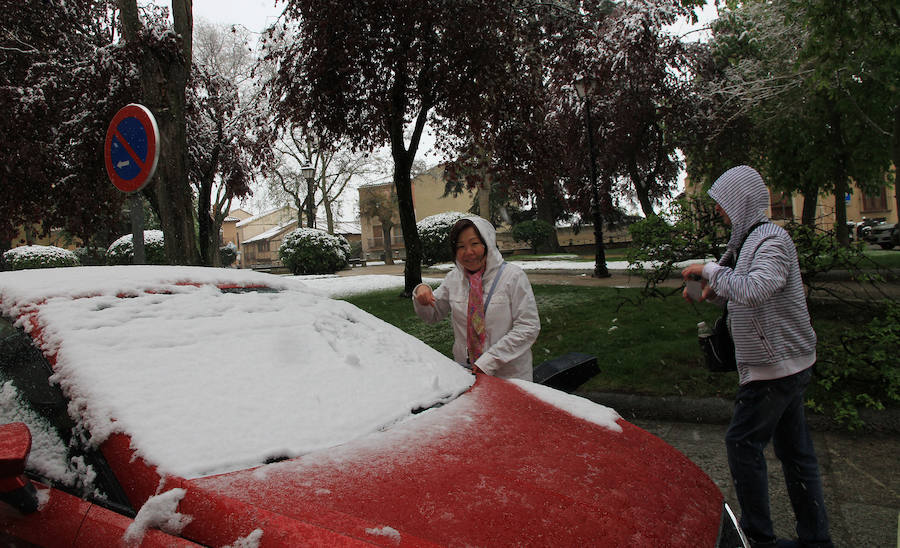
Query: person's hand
{"points": [[695, 286], [424, 296], [693, 272]]}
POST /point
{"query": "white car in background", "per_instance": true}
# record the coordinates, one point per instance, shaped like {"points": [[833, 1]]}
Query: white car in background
{"points": [[886, 235]]}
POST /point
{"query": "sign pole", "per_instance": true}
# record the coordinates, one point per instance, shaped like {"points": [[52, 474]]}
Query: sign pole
{"points": [[137, 227], [131, 152]]}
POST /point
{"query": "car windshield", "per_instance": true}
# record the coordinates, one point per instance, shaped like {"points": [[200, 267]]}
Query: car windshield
{"points": [[207, 380]]}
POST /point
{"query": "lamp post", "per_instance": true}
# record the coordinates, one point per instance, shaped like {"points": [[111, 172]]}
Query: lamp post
{"points": [[309, 174], [584, 88]]}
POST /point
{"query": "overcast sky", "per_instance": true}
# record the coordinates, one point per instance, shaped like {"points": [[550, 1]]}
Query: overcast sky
{"points": [[253, 14]]}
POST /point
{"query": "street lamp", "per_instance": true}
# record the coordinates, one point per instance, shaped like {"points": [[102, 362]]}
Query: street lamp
{"points": [[309, 173], [584, 87]]}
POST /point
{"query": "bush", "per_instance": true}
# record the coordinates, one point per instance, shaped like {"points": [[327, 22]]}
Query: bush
{"points": [[861, 369], [534, 232], [91, 256], [121, 251], [313, 251], [39, 256], [434, 232], [356, 250], [227, 254]]}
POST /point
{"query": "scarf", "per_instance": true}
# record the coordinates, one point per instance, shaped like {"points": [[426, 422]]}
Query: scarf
{"points": [[475, 333]]}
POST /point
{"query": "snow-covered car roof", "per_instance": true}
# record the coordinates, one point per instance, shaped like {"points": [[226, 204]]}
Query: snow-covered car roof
{"points": [[206, 380]]}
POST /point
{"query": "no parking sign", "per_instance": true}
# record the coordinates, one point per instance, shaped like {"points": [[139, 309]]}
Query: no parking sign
{"points": [[132, 148]]}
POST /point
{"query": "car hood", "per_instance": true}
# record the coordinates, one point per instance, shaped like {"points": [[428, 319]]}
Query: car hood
{"points": [[494, 466]]}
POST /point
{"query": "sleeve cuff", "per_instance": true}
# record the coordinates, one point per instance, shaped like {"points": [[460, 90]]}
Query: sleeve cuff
{"points": [[710, 269], [416, 289]]}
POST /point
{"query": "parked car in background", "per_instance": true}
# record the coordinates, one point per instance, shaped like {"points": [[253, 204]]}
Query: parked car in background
{"points": [[886, 235], [177, 406], [865, 226]]}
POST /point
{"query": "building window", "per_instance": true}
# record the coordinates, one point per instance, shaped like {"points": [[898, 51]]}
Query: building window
{"points": [[378, 236], [874, 202], [782, 206], [263, 245]]}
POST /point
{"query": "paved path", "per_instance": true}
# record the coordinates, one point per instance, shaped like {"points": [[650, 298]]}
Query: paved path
{"points": [[860, 474]]}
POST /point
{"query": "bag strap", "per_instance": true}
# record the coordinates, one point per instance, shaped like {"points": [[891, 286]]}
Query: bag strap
{"points": [[744, 239], [493, 286], [738, 254]]}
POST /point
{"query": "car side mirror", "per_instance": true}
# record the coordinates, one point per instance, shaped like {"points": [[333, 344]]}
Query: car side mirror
{"points": [[15, 489]]}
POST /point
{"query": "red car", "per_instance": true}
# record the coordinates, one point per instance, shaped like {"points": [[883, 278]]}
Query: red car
{"points": [[177, 405]]}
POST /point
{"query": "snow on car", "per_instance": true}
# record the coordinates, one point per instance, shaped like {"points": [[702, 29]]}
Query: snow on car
{"points": [[214, 406]]}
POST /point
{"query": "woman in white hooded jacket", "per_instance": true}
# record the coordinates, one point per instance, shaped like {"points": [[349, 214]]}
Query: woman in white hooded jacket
{"points": [[501, 331]]}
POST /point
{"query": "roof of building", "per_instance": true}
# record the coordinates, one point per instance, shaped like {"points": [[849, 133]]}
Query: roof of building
{"points": [[348, 227], [249, 220], [271, 232]]}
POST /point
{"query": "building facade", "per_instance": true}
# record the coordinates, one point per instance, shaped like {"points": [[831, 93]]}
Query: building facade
{"points": [[260, 236], [860, 206], [428, 199]]}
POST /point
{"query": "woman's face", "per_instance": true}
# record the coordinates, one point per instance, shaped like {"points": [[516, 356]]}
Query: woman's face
{"points": [[470, 250], [721, 211]]}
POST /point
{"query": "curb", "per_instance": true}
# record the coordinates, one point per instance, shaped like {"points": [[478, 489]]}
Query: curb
{"points": [[718, 411]]}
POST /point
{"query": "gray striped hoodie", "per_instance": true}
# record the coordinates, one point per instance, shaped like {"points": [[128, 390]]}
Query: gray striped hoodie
{"points": [[767, 312]]}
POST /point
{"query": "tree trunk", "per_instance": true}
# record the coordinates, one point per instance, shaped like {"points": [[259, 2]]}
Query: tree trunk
{"points": [[5, 245], [204, 228], [896, 154], [204, 219], [810, 201], [546, 212], [207, 228], [643, 195], [839, 178], [412, 272], [484, 198], [163, 81], [327, 204], [403, 161], [388, 245]]}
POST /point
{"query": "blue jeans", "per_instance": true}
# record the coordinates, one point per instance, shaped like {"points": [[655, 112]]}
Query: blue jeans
{"points": [[773, 410]]}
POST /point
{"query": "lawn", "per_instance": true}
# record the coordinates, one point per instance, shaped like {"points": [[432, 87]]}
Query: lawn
{"points": [[642, 347], [884, 258], [646, 348]]}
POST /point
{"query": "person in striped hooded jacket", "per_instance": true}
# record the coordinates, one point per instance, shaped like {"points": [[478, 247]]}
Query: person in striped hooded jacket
{"points": [[758, 279]]}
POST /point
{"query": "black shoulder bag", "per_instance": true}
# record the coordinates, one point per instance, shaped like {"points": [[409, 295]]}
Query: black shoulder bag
{"points": [[717, 345]]}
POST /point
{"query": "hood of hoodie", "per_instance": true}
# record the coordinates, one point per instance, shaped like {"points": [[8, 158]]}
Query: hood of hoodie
{"points": [[494, 257], [743, 195]]}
